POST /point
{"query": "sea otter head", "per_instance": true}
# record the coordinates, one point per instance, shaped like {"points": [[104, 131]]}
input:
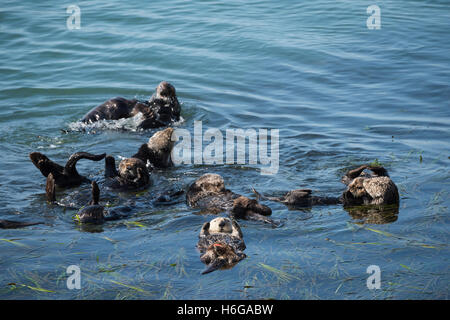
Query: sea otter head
{"points": [[165, 91], [41, 162], [134, 172], [356, 192], [209, 183], [220, 255], [220, 225], [160, 147]]}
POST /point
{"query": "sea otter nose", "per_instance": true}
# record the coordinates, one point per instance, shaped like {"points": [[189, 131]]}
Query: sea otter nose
{"points": [[222, 224]]}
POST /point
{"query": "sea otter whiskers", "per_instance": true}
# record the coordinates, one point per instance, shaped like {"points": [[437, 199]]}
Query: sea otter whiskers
{"points": [[369, 189], [162, 108], [221, 244], [68, 175]]}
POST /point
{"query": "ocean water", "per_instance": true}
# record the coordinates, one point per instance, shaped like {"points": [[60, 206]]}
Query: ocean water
{"points": [[339, 93]]}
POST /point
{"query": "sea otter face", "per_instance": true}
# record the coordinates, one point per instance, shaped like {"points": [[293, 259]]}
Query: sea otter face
{"points": [[41, 162], [356, 188], [220, 255], [133, 170], [210, 182], [165, 90], [220, 225], [356, 193]]}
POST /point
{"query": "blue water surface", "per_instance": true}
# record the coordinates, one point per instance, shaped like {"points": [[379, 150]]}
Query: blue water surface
{"points": [[340, 95]]}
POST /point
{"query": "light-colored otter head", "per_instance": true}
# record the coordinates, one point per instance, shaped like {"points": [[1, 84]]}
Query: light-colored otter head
{"points": [[210, 182], [165, 91], [161, 141], [220, 255], [220, 225], [356, 188]]}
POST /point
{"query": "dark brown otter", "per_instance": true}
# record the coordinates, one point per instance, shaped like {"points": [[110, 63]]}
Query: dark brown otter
{"points": [[93, 212], [369, 189], [300, 198], [132, 174], [9, 224], [162, 108], [68, 175], [221, 244], [250, 209]]}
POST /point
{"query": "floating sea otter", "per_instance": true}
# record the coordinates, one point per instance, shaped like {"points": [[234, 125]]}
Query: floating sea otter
{"points": [[162, 109], [9, 224], [221, 244], [93, 212], [133, 172], [68, 175], [300, 198], [369, 189], [362, 189], [209, 194]]}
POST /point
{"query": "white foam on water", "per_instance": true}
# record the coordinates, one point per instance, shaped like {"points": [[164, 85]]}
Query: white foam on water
{"points": [[125, 124]]}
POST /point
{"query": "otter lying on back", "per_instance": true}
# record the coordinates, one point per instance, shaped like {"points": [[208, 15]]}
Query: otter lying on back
{"points": [[221, 244], [162, 109], [208, 193], [68, 175], [93, 212], [300, 198], [362, 189]]}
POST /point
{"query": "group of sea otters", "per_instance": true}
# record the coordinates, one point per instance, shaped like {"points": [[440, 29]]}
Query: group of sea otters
{"points": [[221, 241]]}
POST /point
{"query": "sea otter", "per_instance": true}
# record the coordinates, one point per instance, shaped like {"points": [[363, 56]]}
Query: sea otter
{"points": [[162, 109], [68, 175], [93, 212], [133, 172], [362, 189], [158, 149], [221, 244], [9, 224], [300, 198], [369, 189], [209, 194]]}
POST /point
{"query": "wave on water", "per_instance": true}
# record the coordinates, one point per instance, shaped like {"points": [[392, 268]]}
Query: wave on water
{"points": [[125, 124]]}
